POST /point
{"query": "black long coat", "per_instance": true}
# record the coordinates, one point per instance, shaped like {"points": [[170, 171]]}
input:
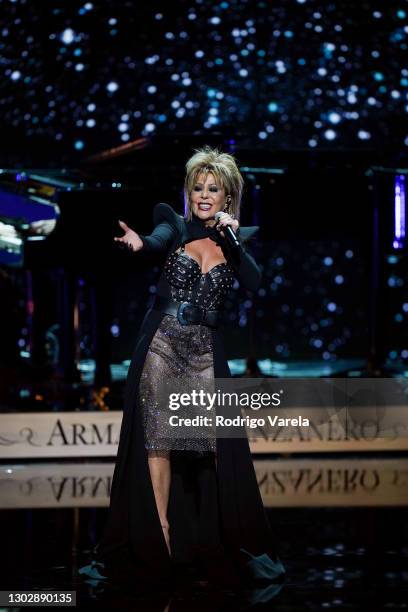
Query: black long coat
{"points": [[214, 510]]}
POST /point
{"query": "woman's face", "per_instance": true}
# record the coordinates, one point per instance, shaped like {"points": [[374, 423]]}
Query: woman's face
{"points": [[207, 198]]}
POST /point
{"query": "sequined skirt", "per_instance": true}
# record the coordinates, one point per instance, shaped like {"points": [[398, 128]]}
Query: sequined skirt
{"points": [[177, 353]]}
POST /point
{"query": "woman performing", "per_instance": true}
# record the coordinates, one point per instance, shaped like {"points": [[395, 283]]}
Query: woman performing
{"points": [[188, 504]]}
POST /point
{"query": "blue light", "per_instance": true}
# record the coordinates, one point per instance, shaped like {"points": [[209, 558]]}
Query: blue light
{"points": [[401, 14], [272, 107], [79, 145], [399, 318], [339, 279], [378, 76], [115, 331], [349, 254], [211, 93], [112, 86], [328, 261], [331, 307], [399, 211]]}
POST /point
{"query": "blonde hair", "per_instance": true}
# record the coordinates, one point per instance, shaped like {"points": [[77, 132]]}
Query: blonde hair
{"points": [[225, 170]]}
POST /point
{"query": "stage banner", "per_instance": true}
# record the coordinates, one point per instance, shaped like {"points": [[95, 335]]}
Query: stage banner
{"points": [[277, 416]]}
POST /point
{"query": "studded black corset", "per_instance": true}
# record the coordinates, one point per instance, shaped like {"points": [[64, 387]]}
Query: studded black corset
{"points": [[189, 284]]}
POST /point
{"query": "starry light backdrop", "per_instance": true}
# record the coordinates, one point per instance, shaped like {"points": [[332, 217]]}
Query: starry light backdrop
{"points": [[276, 75], [283, 74]]}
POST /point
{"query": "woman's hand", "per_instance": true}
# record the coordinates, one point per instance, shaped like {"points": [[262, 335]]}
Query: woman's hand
{"points": [[129, 239], [226, 219]]}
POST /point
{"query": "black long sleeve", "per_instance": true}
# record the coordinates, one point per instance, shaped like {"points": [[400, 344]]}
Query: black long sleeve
{"points": [[160, 239], [247, 270]]}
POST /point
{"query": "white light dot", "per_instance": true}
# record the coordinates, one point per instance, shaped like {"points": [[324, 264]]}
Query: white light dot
{"points": [[15, 75], [363, 135], [149, 127], [90, 123], [91, 107], [334, 118], [330, 134], [152, 89], [123, 127], [112, 86], [68, 36]]}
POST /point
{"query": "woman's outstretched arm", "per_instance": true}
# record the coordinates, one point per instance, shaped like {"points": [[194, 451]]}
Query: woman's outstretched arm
{"points": [[160, 238], [164, 232]]}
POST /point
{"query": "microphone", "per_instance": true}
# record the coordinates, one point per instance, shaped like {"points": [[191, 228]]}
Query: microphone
{"points": [[229, 233]]}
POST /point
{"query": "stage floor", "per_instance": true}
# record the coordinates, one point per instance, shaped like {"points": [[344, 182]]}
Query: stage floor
{"points": [[350, 553]]}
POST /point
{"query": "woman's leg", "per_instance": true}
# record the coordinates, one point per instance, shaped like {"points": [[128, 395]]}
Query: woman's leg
{"points": [[160, 473]]}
